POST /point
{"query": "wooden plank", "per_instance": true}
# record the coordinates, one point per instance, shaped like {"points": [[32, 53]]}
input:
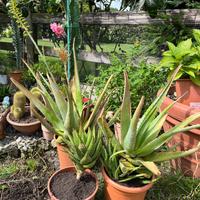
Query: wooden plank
{"points": [[189, 17], [94, 57]]}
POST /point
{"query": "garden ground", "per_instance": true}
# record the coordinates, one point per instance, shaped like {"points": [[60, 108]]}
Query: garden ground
{"points": [[26, 178]]}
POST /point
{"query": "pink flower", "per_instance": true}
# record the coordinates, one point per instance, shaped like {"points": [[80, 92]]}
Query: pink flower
{"points": [[57, 29]]}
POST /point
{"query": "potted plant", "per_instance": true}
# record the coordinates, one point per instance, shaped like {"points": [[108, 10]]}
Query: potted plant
{"points": [[4, 109], [21, 117], [84, 148], [130, 158], [187, 55]]}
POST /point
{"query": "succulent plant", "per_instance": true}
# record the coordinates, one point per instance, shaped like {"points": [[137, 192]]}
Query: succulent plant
{"points": [[18, 107], [134, 152], [36, 92], [64, 113]]}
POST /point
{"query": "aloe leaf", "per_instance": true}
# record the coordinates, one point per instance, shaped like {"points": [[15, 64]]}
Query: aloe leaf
{"points": [[105, 128], [165, 137], [125, 109], [151, 112], [131, 177], [113, 119], [155, 126], [100, 111], [151, 166], [163, 156], [59, 98], [76, 89], [51, 104], [50, 116], [98, 104], [154, 132], [44, 121], [69, 123], [130, 138]]}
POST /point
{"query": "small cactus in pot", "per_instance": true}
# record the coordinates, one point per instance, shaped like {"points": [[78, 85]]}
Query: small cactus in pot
{"points": [[18, 107]]}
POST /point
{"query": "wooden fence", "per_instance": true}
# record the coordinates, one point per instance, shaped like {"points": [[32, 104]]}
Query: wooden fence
{"points": [[188, 17]]}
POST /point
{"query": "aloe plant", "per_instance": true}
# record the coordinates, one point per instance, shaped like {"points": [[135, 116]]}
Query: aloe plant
{"points": [[139, 146], [63, 112]]}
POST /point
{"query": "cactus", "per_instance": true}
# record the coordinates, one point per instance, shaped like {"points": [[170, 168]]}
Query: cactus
{"points": [[18, 107], [36, 92]]}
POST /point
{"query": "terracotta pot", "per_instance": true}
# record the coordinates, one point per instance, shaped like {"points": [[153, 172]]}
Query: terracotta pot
{"points": [[16, 75], [47, 135], [3, 123], [188, 165], [63, 157], [68, 169], [25, 128], [193, 91], [115, 191]]}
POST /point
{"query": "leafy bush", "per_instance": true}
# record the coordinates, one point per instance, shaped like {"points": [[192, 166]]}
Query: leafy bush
{"points": [[56, 68], [143, 81]]}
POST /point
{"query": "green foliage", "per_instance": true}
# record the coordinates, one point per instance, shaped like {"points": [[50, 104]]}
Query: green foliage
{"points": [[187, 55], [85, 148], [65, 114], [132, 153], [8, 170], [32, 164], [144, 81], [55, 67], [4, 91], [6, 61]]}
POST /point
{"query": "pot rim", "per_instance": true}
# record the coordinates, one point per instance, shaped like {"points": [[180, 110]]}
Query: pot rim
{"points": [[72, 168], [125, 188], [20, 124]]}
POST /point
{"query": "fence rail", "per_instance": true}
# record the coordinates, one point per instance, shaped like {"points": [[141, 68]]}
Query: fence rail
{"points": [[187, 16], [190, 17]]}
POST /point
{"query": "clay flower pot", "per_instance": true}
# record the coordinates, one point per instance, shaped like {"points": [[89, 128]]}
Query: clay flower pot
{"points": [[188, 165], [63, 156], [72, 169], [3, 123], [25, 128], [193, 91], [16, 75], [47, 135], [115, 191]]}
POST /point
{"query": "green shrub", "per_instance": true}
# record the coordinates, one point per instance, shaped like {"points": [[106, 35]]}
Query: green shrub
{"points": [[56, 68], [143, 81]]}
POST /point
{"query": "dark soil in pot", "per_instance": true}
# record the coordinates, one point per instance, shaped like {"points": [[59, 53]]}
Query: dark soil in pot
{"points": [[65, 186], [26, 119]]}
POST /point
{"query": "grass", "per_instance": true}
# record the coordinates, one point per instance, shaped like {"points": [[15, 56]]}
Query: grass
{"points": [[8, 170], [107, 47], [175, 187]]}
